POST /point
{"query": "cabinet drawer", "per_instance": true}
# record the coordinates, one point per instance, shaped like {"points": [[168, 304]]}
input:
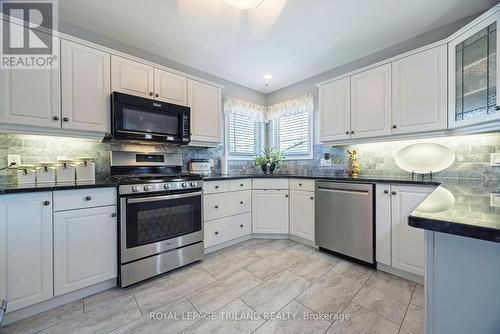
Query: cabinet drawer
{"points": [[302, 184], [241, 184], [226, 229], [83, 198], [213, 187], [223, 205], [270, 184]]}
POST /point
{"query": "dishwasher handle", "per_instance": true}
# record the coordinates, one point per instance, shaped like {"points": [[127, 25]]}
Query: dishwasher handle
{"points": [[3, 309], [345, 191]]}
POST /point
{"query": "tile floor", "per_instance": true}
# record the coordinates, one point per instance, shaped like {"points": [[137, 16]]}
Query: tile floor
{"points": [[235, 289]]}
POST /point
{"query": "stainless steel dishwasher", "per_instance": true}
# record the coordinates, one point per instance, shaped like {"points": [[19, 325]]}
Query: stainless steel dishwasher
{"points": [[344, 219]]}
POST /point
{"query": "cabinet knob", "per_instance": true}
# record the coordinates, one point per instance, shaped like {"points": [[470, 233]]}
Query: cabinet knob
{"points": [[241, 202], [394, 126], [241, 225], [65, 119], [216, 206], [497, 108], [150, 93], [88, 198], [216, 232], [216, 187], [55, 118], [300, 184], [312, 198], [241, 184], [46, 203], [386, 191], [393, 193], [347, 132], [352, 132], [286, 196], [157, 95], [113, 215]]}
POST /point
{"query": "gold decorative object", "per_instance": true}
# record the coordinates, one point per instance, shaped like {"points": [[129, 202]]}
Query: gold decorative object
{"points": [[353, 164]]}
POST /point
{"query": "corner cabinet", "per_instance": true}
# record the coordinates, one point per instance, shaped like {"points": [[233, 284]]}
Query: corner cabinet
{"points": [[270, 211], [474, 73], [25, 249], [205, 102]]}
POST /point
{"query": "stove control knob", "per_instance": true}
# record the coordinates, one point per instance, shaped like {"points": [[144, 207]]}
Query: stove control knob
{"points": [[135, 189], [193, 184], [184, 184], [147, 188], [166, 186]]}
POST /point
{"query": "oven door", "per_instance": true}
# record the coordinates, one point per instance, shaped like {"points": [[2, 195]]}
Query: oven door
{"points": [[155, 224]]}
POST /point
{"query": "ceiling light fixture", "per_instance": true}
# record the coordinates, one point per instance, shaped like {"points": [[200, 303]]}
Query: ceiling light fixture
{"points": [[268, 76], [244, 4]]}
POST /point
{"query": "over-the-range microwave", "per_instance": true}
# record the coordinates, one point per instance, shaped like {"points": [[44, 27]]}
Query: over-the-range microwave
{"points": [[137, 118]]}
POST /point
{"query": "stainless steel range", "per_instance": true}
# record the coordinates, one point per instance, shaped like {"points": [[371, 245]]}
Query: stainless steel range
{"points": [[161, 214]]}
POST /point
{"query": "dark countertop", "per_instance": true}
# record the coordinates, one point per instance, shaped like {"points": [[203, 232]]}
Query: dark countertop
{"points": [[12, 188]]}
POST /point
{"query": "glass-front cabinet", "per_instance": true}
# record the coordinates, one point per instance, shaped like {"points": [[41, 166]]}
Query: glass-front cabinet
{"points": [[474, 74]]}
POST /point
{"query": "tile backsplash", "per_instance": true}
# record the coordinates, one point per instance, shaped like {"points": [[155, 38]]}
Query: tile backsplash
{"points": [[377, 159]]}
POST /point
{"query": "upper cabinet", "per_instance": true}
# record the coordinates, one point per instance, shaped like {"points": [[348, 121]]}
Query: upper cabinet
{"points": [[474, 74], [335, 109], [170, 87], [85, 78], [205, 102], [371, 103], [419, 92], [30, 97]]}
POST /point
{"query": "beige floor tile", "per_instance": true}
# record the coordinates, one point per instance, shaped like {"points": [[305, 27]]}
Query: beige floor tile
{"points": [[225, 321], [314, 266], [330, 294], [354, 271], [101, 320], [272, 264], [231, 263], [270, 247], [418, 296], [45, 320], [179, 284], [276, 292], [171, 319], [414, 320], [221, 292], [300, 250], [386, 295], [362, 321], [295, 319]]}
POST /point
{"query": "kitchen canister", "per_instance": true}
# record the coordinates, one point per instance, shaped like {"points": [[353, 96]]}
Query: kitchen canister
{"points": [[85, 169], [26, 174], [45, 172], [65, 170]]}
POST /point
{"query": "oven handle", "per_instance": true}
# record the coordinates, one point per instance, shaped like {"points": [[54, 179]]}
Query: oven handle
{"points": [[162, 198]]}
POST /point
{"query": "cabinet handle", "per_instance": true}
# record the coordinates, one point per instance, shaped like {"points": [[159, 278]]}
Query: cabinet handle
{"points": [[216, 232], [150, 93], [352, 132], [88, 198], [55, 118], [241, 202], [312, 198], [157, 95], [386, 191], [65, 119], [241, 225], [347, 132], [46, 203], [113, 215], [393, 193], [216, 206]]}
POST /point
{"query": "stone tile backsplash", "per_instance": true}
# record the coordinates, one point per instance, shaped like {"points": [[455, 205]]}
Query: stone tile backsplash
{"points": [[377, 159]]}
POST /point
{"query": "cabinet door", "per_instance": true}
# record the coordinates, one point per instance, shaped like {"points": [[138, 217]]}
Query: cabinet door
{"points": [[474, 74], [335, 110], [407, 241], [169, 87], [30, 97], [86, 88], [25, 249], [206, 114], [383, 223], [419, 92], [85, 246], [131, 77], [302, 214], [371, 103], [270, 211]]}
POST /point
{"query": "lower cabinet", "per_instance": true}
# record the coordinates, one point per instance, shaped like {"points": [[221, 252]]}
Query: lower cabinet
{"points": [[270, 211], [302, 214], [25, 249], [398, 244], [85, 248], [226, 229]]}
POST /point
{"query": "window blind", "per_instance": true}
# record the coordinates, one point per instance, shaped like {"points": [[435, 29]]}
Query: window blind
{"points": [[292, 134], [245, 138]]}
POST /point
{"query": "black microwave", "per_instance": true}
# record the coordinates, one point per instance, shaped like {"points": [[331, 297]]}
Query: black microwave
{"points": [[137, 118]]}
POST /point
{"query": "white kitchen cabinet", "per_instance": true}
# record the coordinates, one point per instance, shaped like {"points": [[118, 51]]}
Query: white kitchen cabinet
{"points": [[335, 110], [131, 77], [270, 211], [25, 249], [302, 214], [205, 102], [419, 92], [30, 97], [371, 103], [86, 88], [170, 87], [383, 224], [216, 206], [407, 242], [85, 248], [227, 229]]}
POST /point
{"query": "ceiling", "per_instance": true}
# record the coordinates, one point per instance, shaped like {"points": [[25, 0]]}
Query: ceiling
{"points": [[290, 39]]}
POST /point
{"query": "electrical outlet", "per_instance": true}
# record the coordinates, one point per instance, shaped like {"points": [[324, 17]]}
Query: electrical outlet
{"points": [[325, 163], [495, 159], [13, 158]]}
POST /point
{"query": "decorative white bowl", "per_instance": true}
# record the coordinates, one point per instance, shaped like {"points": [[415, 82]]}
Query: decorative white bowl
{"points": [[424, 158]]}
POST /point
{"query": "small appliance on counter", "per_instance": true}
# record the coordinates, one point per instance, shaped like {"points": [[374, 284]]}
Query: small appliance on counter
{"points": [[65, 170], [26, 174], [85, 169], [200, 166], [46, 172]]}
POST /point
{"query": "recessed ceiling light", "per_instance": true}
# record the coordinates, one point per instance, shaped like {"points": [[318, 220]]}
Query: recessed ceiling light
{"points": [[244, 4], [268, 76]]}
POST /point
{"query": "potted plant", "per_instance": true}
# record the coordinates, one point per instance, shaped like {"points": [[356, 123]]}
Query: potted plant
{"points": [[269, 160]]}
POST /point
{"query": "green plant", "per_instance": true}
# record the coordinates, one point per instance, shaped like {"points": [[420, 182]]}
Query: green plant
{"points": [[271, 156]]}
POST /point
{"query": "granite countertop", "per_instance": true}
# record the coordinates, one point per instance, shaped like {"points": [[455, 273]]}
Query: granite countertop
{"points": [[11, 188], [461, 208]]}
